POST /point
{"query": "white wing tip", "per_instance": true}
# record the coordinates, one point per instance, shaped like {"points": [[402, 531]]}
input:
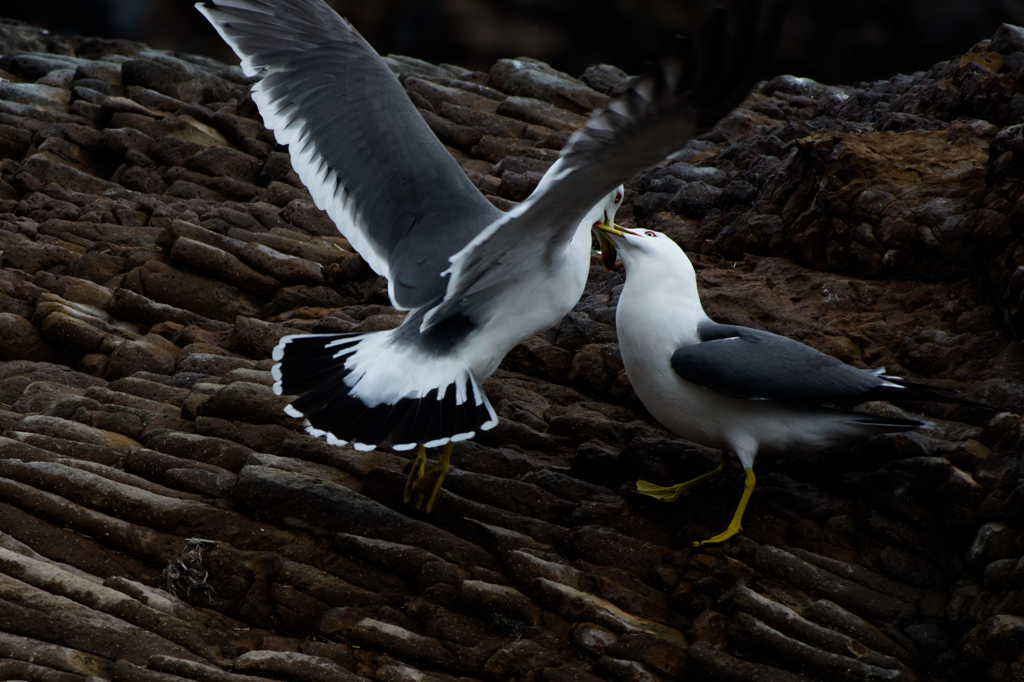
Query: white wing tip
{"points": [[278, 354]]}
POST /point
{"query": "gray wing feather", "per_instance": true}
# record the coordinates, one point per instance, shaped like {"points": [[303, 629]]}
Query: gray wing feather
{"points": [[682, 98], [738, 362], [356, 140]]}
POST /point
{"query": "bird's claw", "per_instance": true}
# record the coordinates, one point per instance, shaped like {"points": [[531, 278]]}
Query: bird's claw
{"points": [[733, 529]]}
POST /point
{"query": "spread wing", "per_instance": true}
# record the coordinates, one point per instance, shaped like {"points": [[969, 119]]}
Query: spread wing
{"points": [[683, 97], [356, 140]]}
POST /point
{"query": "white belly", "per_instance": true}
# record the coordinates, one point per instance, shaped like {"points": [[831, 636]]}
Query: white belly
{"points": [[537, 300]]}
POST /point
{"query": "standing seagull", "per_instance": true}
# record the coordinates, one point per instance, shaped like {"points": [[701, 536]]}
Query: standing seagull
{"points": [[476, 281], [729, 387]]}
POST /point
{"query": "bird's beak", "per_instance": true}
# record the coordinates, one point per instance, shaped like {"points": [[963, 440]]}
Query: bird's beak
{"points": [[608, 252]]}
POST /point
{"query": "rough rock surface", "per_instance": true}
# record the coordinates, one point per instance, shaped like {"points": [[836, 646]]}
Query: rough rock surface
{"points": [[161, 519]]}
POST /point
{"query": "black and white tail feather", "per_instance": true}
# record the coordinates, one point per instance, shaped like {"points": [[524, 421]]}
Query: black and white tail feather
{"points": [[324, 369]]}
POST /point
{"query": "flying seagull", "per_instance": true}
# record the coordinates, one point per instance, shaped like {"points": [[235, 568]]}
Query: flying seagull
{"points": [[730, 387], [475, 280]]}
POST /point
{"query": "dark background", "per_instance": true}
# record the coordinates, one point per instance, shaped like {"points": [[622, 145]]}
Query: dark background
{"points": [[834, 41]]}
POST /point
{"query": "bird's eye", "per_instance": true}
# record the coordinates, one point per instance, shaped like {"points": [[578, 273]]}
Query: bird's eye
{"points": [[618, 197], [651, 234]]}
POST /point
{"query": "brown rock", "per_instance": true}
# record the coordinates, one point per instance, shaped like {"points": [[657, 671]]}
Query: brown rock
{"points": [[71, 179], [14, 142], [302, 213], [208, 298], [21, 340], [294, 666], [516, 659], [98, 267], [282, 267], [72, 332], [539, 358], [176, 78], [540, 113], [210, 260], [436, 94], [244, 401], [458, 136], [151, 353], [224, 161], [34, 257], [530, 78]]}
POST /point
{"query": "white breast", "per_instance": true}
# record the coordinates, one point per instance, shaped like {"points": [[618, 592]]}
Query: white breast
{"points": [[537, 300]]}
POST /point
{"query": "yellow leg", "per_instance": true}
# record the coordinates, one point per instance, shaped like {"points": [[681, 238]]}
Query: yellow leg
{"points": [[671, 493], [440, 471], [734, 525], [419, 466], [422, 486]]}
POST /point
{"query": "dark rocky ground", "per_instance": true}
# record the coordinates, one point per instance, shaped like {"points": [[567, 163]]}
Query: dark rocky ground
{"points": [[161, 519]]}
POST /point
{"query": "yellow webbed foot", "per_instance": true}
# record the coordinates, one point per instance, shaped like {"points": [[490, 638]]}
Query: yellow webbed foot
{"points": [[664, 493], [671, 493]]}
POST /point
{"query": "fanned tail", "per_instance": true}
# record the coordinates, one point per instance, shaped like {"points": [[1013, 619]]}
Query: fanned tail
{"points": [[361, 388]]}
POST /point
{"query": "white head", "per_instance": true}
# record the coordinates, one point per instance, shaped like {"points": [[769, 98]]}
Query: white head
{"points": [[604, 211], [652, 260], [611, 204]]}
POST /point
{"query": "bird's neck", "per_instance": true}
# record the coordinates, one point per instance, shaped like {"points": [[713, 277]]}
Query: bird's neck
{"points": [[664, 305]]}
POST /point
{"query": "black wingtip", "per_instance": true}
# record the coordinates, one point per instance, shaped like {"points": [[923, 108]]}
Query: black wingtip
{"points": [[733, 51], [918, 392], [715, 67]]}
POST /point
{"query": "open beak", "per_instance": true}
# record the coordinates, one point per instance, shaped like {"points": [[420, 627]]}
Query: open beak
{"points": [[608, 252]]}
